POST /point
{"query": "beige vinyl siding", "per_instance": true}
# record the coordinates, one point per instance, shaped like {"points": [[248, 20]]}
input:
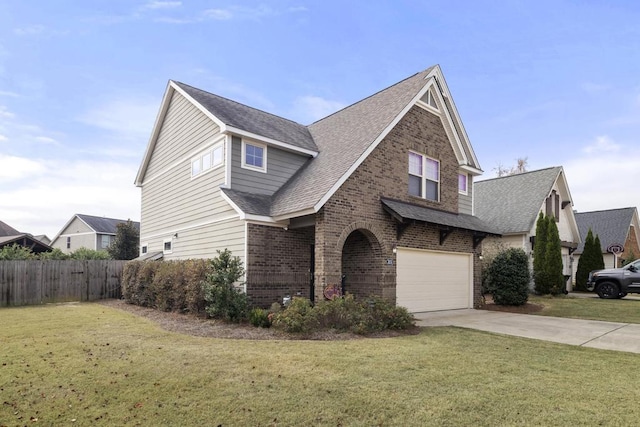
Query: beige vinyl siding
{"points": [[81, 237], [465, 201], [281, 165], [184, 129], [174, 202]]}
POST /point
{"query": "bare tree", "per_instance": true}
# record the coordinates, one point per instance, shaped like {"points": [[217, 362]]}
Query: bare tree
{"points": [[521, 166]]}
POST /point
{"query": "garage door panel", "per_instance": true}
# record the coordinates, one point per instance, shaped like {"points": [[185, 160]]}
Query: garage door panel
{"points": [[431, 280]]}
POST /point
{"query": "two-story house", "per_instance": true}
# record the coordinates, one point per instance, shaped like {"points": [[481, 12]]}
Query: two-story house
{"points": [[88, 231], [376, 198]]}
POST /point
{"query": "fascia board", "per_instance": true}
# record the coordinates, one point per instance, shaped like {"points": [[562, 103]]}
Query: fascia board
{"points": [[270, 141]]}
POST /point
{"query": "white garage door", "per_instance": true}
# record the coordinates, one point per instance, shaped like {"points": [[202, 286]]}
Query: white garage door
{"points": [[431, 280]]}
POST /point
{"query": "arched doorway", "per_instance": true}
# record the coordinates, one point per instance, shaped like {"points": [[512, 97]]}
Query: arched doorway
{"points": [[362, 264]]}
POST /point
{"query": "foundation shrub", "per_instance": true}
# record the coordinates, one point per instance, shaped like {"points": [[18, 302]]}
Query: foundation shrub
{"points": [[372, 314], [166, 285], [509, 277], [259, 317], [224, 300]]}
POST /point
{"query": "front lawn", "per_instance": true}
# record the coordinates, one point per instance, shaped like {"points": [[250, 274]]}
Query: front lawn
{"points": [[617, 310], [88, 364]]}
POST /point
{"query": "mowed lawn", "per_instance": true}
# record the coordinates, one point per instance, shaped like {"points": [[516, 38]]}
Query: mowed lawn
{"points": [[87, 364], [626, 310]]}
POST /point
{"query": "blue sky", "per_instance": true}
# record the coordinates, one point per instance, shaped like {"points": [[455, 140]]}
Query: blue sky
{"points": [[81, 82]]}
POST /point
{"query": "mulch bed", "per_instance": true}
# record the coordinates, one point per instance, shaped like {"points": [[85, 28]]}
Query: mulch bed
{"points": [[527, 308], [189, 324]]}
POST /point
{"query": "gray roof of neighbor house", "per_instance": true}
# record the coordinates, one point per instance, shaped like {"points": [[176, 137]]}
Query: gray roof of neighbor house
{"points": [[104, 225], [7, 230], [611, 226], [252, 120], [511, 203]]}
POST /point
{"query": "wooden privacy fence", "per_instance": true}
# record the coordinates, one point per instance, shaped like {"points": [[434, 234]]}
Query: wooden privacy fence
{"points": [[41, 282]]}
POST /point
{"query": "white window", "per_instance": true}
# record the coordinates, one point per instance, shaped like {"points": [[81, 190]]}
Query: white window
{"points": [[209, 160], [167, 246], [424, 177], [254, 156], [463, 181], [105, 241], [144, 248]]}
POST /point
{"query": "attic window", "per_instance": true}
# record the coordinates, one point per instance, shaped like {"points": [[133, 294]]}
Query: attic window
{"points": [[428, 100], [254, 156]]}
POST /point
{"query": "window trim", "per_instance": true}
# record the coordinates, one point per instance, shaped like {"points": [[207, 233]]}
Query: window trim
{"points": [[466, 183], [423, 177], [199, 158], [102, 238], [244, 164], [164, 246], [144, 248]]}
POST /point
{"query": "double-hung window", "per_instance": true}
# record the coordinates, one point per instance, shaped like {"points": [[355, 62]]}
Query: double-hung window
{"points": [[424, 177]]}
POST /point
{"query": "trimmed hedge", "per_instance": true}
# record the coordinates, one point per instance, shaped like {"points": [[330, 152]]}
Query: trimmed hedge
{"points": [[166, 285]]}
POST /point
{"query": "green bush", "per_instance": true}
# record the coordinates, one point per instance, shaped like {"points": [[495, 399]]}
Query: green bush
{"points": [[16, 252], [83, 254], [166, 285], [345, 314], [223, 299], [509, 277], [259, 317], [297, 317]]}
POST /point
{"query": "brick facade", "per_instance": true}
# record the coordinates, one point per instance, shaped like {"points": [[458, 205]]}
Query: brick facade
{"points": [[631, 248], [353, 235]]}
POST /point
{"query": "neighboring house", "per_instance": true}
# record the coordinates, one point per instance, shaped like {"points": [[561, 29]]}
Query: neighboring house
{"points": [[618, 227], [43, 238], [512, 204], [87, 231], [10, 236], [376, 197]]}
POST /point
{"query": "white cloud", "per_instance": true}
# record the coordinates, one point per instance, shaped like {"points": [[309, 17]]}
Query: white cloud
{"points": [[308, 109], [5, 113], [132, 118], [3, 138], [154, 5], [602, 144], [46, 140], [218, 14], [603, 176], [15, 168], [32, 30], [64, 187]]}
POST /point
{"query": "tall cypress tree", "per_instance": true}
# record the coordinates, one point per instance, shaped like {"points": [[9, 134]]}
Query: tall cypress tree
{"points": [[584, 264], [553, 258], [598, 258], [539, 253]]}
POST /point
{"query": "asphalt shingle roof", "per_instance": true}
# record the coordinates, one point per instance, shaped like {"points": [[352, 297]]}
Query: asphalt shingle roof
{"points": [[434, 216], [252, 120], [342, 138], [252, 204], [7, 230], [611, 226], [104, 225], [511, 203]]}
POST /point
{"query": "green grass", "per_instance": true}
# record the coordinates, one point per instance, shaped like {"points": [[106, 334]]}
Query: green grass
{"points": [[87, 364], [617, 310]]}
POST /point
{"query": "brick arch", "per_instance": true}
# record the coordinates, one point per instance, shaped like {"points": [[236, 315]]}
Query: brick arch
{"points": [[373, 234]]}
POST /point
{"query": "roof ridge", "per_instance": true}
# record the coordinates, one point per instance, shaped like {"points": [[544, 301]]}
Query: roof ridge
{"points": [[371, 96], [604, 210], [239, 103], [104, 217], [518, 174]]}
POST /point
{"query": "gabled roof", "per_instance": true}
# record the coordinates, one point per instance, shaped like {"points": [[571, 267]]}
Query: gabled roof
{"points": [[26, 240], [511, 203], [338, 143], [611, 226], [7, 230], [98, 224], [242, 117]]}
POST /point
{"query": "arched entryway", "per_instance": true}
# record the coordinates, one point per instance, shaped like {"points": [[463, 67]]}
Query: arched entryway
{"points": [[362, 264]]}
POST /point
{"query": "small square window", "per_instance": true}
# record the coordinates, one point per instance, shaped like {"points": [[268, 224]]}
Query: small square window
{"points": [[254, 156], [144, 249], [167, 246]]}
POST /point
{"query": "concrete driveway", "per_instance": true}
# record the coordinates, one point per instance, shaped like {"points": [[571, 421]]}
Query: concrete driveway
{"points": [[587, 333]]}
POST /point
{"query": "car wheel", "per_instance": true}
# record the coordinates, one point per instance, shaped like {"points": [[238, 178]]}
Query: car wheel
{"points": [[608, 290]]}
